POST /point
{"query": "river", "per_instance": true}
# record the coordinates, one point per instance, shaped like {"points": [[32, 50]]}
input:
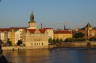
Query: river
{"points": [[57, 55]]}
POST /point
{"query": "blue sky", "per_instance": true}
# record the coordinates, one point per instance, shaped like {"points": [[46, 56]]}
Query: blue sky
{"points": [[51, 13]]}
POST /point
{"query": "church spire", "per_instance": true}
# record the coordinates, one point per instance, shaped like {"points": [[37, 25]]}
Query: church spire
{"points": [[88, 25]]}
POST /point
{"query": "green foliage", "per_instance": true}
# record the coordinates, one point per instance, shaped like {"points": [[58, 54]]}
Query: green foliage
{"points": [[54, 41], [78, 35], [93, 39], [79, 39], [61, 40], [1, 42], [69, 40], [57, 41], [9, 43], [19, 42], [50, 41], [74, 40]]}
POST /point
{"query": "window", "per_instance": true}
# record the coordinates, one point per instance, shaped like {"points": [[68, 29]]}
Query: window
{"points": [[37, 43], [42, 44], [34, 43]]}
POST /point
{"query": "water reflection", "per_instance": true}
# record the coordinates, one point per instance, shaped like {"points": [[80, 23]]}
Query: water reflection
{"points": [[58, 55]]}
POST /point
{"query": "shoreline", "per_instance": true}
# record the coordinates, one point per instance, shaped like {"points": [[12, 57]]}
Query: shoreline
{"points": [[60, 45]]}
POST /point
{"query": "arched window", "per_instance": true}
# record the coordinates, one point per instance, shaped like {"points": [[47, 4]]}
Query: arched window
{"points": [[42, 44], [37, 43]]}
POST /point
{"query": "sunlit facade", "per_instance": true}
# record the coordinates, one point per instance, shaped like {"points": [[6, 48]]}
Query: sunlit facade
{"points": [[88, 30], [62, 34], [31, 36]]}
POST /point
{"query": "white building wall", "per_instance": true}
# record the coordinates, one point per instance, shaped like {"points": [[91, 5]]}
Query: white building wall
{"points": [[18, 35]]}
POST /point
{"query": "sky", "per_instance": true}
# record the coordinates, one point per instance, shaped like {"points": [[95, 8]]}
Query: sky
{"points": [[51, 13]]}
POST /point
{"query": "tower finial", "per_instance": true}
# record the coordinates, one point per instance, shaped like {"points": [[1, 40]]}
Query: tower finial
{"points": [[32, 16]]}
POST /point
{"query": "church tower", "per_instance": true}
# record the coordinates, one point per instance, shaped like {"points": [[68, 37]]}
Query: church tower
{"points": [[32, 23]]}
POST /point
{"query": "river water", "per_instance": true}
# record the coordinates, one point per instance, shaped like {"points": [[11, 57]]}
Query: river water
{"points": [[57, 55]]}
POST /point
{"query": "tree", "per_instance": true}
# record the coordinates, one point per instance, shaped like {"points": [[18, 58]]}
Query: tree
{"points": [[8, 43], [1, 42], [57, 41], [54, 41], [61, 40], [93, 39], [78, 35], [0, 46], [19, 42], [50, 41], [69, 40]]}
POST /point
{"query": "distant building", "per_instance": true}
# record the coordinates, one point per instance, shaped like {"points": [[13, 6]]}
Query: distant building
{"points": [[31, 35], [88, 30], [62, 34]]}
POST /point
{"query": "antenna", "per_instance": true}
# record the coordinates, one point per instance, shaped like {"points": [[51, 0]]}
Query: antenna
{"points": [[64, 27], [41, 26]]}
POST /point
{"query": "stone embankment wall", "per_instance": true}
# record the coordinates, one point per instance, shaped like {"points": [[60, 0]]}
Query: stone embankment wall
{"points": [[74, 44], [78, 44], [63, 44], [21, 48]]}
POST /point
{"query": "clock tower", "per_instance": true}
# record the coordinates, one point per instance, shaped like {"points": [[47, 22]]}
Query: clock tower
{"points": [[32, 23]]}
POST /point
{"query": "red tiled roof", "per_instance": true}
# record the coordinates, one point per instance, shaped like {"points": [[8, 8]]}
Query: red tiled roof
{"points": [[62, 32], [4, 29], [31, 30], [42, 30], [8, 29], [17, 27]]}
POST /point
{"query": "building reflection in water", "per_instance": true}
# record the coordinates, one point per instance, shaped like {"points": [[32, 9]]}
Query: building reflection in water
{"points": [[28, 56], [58, 55]]}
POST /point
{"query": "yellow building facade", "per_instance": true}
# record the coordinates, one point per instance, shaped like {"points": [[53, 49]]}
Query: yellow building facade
{"points": [[62, 34]]}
